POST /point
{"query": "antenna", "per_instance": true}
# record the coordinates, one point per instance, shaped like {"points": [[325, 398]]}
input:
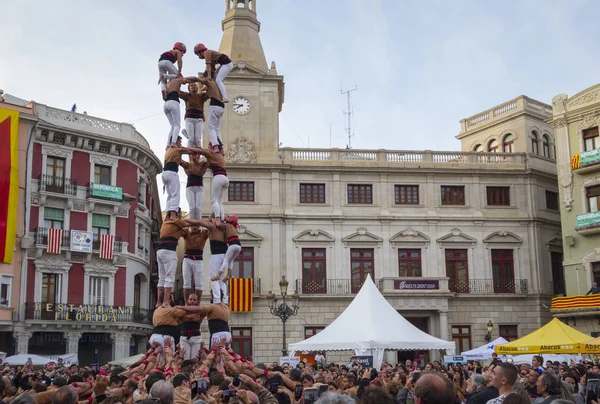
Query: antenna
{"points": [[349, 114]]}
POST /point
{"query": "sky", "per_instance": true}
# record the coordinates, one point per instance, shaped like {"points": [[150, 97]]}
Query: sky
{"points": [[419, 66]]}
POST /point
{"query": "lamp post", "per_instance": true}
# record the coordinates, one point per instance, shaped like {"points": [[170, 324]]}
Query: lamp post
{"points": [[283, 311], [490, 328]]}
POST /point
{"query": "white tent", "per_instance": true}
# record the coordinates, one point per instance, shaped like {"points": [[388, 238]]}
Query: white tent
{"points": [[20, 360], [126, 361], [369, 326], [483, 352]]}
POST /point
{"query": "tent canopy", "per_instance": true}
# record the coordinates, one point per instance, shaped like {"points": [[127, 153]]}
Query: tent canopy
{"points": [[483, 352], [370, 323], [127, 361], [20, 360], [555, 337]]}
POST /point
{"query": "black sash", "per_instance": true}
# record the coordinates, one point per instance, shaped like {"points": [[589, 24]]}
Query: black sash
{"points": [[215, 326]]}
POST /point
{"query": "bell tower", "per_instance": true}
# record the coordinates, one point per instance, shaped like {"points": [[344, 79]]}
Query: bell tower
{"points": [[255, 91]]}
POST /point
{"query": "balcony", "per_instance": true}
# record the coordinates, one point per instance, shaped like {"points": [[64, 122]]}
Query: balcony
{"points": [[588, 223], [586, 162], [488, 286], [91, 314], [117, 246], [57, 185], [41, 237], [331, 287], [104, 192]]}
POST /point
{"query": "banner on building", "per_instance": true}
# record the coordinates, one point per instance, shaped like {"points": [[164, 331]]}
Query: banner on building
{"points": [[54, 241], [81, 241], [240, 294], [107, 242], [575, 302], [9, 182]]}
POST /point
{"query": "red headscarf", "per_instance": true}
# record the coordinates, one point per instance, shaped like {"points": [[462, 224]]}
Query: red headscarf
{"points": [[232, 219]]}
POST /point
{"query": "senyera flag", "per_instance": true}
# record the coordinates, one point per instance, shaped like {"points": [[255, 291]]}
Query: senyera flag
{"points": [[9, 182], [107, 242], [240, 294], [54, 241]]}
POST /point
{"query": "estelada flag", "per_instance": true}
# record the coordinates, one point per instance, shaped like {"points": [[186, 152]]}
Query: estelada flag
{"points": [[107, 242], [9, 182], [240, 294]]}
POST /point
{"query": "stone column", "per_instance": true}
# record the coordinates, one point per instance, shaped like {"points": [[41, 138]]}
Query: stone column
{"points": [[142, 344], [22, 339], [72, 341], [444, 325], [121, 342]]}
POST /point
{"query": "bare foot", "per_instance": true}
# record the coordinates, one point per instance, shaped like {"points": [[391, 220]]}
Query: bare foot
{"points": [[157, 305], [225, 101], [165, 305], [160, 78]]}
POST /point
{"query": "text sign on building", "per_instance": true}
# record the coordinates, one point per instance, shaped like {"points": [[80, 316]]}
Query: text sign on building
{"points": [[588, 220], [84, 312], [107, 191], [414, 284], [589, 157], [81, 241]]}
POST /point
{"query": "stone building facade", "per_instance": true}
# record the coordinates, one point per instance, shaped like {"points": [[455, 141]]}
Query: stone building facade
{"points": [[454, 240], [576, 121]]}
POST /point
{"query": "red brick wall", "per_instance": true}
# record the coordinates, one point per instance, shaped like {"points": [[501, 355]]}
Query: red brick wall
{"points": [[79, 221], [36, 160], [76, 291], [80, 168], [120, 286], [30, 280]]}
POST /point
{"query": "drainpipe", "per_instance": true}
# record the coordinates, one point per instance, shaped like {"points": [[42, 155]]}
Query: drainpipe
{"points": [[26, 221]]}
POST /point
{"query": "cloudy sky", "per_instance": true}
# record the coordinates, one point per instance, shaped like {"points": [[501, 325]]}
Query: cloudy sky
{"points": [[420, 66]]}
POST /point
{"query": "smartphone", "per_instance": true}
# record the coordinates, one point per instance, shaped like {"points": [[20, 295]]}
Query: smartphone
{"points": [[236, 381], [273, 387], [202, 386], [591, 390], [228, 393], [298, 392], [310, 395], [323, 389], [194, 388]]}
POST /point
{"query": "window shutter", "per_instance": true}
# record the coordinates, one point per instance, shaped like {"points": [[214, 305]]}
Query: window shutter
{"points": [[54, 214], [102, 221]]}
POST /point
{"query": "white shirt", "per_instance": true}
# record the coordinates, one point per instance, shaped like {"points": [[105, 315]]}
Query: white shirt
{"points": [[498, 399]]}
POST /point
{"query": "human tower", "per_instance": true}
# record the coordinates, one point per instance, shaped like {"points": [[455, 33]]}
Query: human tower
{"points": [[220, 229]]}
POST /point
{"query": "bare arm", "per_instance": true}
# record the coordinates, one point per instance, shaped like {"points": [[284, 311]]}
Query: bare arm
{"points": [[179, 61], [184, 164], [203, 223], [207, 58]]}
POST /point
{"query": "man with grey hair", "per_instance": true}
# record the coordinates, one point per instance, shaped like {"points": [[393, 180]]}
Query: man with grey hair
{"points": [[65, 395], [548, 387], [164, 391], [480, 394], [335, 398]]}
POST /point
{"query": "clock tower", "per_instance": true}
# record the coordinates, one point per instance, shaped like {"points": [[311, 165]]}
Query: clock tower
{"points": [[251, 122]]}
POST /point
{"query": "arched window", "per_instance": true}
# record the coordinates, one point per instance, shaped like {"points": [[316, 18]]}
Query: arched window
{"points": [[478, 148], [493, 146], [534, 143], [507, 144], [546, 146]]}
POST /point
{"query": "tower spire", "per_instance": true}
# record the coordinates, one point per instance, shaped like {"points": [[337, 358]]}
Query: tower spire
{"points": [[240, 40]]}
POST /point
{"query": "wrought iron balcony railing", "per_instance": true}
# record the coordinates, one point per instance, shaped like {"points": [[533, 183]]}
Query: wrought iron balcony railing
{"points": [[117, 246], [335, 287], [57, 185], [41, 237], [488, 286]]}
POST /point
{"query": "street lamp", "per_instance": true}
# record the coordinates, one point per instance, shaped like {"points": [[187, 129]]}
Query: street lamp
{"points": [[490, 328], [283, 311]]}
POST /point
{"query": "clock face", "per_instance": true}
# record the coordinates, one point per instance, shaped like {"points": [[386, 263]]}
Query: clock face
{"points": [[241, 106]]}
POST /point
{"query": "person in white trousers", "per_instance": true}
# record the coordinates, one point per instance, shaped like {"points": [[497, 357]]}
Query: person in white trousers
{"points": [[216, 109], [172, 106], [192, 261], [194, 114], [191, 339], [216, 162], [230, 226], [213, 58], [170, 176], [194, 189], [166, 65], [218, 248]]}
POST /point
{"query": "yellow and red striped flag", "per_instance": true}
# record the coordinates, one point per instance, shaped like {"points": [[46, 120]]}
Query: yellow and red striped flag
{"points": [[240, 294], [54, 241], [107, 242], [575, 302], [9, 182]]}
